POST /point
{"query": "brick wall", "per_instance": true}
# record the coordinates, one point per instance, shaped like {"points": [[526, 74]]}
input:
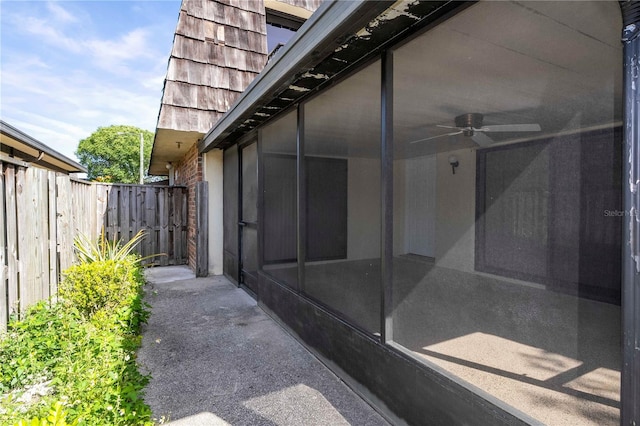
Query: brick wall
{"points": [[188, 172]]}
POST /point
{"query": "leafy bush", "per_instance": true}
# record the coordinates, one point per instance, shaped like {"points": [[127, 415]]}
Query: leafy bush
{"points": [[79, 352], [106, 285], [57, 417]]}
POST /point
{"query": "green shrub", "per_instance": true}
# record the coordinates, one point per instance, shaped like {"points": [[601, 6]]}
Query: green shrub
{"points": [[105, 290], [32, 346], [79, 352], [57, 417], [87, 365]]}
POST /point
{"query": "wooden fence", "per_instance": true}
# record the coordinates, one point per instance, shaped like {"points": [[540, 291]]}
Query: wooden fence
{"points": [[42, 212], [160, 210]]}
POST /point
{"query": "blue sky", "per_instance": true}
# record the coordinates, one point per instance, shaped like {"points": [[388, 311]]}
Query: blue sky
{"points": [[69, 67]]}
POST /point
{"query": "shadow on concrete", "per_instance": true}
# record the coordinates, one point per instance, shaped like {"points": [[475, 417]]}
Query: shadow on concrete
{"points": [[216, 358]]}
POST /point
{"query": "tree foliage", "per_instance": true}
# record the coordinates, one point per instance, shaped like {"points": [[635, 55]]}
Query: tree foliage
{"points": [[112, 154]]}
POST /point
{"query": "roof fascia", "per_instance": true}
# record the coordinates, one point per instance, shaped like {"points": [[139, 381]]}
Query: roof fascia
{"points": [[12, 132]]}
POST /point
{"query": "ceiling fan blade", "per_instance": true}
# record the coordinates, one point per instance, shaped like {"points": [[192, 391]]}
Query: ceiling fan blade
{"points": [[438, 136], [511, 128], [482, 139], [447, 127]]}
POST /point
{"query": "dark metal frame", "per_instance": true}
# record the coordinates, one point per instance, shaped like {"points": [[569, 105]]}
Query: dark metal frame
{"points": [[260, 201], [386, 197], [302, 198], [225, 208], [245, 142], [239, 215], [294, 306]]}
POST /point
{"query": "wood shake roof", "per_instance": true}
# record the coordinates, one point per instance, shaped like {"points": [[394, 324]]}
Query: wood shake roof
{"points": [[219, 48], [217, 51]]}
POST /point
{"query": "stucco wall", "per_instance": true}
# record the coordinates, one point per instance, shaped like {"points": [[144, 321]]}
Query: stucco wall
{"points": [[213, 163], [455, 210], [363, 209]]}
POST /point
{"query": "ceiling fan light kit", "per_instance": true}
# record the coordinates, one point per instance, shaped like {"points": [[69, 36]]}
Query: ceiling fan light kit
{"points": [[469, 122], [471, 125]]}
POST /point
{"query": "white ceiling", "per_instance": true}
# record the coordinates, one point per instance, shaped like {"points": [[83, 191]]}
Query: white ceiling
{"points": [[558, 64]]}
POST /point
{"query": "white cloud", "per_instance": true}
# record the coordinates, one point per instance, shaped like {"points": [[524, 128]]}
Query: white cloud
{"points": [[109, 54], [154, 83], [58, 135], [60, 81], [132, 45], [114, 55], [48, 34], [60, 14], [82, 100]]}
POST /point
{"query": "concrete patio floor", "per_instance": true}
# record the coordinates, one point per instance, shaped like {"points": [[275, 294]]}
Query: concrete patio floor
{"points": [[216, 358]]}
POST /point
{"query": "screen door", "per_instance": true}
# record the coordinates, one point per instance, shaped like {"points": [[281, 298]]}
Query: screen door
{"points": [[248, 223]]}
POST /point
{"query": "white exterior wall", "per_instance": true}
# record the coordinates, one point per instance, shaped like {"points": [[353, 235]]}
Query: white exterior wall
{"points": [[363, 207], [455, 211], [212, 167]]}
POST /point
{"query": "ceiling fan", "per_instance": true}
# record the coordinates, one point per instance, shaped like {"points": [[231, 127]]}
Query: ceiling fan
{"points": [[470, 125]]}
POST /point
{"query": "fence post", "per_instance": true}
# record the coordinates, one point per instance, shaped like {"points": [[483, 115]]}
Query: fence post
{"points": [[64, 216], [4, 308], [52, 235]]}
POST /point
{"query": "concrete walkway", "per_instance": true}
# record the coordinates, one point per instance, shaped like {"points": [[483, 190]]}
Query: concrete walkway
{"points": [[216, 358]]}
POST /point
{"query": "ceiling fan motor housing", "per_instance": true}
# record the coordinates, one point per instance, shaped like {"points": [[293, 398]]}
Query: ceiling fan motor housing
{"points": [[468, 122]]}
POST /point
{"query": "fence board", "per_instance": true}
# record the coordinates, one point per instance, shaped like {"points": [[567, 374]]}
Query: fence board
{"points": [[64, 232], [30, 250], [40, 203], [134, 218], [4, 314], [52, 233], [183, 229], [140, 219], [176, 220], [77, 192], [163, 222], [112, 228], [12, 239], [124, 214], [24, 233], [102, 197], [150, 201]]}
